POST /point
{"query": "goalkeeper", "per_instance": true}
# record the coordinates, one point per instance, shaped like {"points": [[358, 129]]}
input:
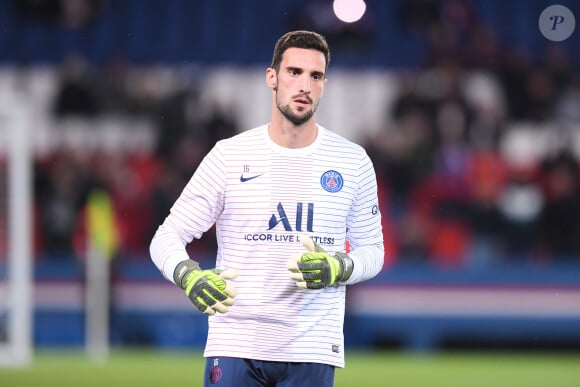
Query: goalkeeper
{"points": [[285, 198]]}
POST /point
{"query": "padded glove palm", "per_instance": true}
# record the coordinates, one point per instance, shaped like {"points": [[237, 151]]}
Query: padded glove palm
{"points": [[316, 269], [207, 289]]}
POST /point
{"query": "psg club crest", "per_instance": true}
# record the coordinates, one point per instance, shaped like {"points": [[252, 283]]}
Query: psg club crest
{"points": [[331, 181], [215, 375]]}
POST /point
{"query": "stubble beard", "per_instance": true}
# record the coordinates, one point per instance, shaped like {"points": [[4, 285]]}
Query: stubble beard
{"points": [[294, 118]]}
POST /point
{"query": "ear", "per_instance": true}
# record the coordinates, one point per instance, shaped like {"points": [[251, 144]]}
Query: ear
{"points": [[271, 78]]}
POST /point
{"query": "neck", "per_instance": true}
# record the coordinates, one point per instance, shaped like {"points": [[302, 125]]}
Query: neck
{"points": [[288, 135]]}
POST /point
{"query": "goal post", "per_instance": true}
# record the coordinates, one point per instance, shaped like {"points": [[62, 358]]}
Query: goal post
{"points": [[16, 282]]}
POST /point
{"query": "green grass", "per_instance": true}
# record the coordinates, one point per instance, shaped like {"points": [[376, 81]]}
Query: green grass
{"points": [[396, 369]]}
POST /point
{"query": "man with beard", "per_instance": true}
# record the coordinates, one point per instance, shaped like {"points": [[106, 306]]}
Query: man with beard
{"points": [[286, 198]]}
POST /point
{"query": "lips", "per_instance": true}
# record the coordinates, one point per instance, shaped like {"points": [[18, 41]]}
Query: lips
{"points": [[302, 101]]}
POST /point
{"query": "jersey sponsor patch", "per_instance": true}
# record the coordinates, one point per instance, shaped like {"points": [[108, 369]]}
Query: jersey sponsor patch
{"points": [[331, 181]]}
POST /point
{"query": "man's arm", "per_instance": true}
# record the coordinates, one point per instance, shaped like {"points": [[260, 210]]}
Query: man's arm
{"points": [[207, 290], [192, 214], [167, 249]]}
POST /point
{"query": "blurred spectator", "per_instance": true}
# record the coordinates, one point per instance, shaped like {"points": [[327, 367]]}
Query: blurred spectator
{"points": [[482, 49], [145, 90], [557, 63], [521, 202], [567, 108], [130, 195], [451, 122], [450, 234], [113, 93], [77, 95], [165, 191], [513, 72], [176, 119], [219, 125], [403, 150], [485, 178], [61, 188], [485, 96], [560, 218], [541, 95], [391, 245], [412, 235], [437, 208]]}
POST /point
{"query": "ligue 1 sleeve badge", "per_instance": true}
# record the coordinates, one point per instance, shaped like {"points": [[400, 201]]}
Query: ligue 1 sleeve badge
{"points": [[331, 181]]}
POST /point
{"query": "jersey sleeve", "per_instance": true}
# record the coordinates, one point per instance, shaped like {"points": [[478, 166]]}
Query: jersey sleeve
{"points": [[364, 228], [193, 213]]}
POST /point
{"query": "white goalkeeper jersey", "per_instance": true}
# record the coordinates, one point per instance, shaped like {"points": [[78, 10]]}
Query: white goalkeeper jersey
{"points": [[262, 198]]}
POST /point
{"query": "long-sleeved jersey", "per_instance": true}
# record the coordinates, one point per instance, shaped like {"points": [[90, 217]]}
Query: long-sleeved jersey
{"points": [[263, 198]]}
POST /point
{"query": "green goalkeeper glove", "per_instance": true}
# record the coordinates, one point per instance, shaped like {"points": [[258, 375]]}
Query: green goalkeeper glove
{"points": [[317, 269], [207, 289]]}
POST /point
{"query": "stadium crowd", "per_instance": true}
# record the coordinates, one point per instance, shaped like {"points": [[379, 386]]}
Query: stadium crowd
{"points": [[477, 157]]}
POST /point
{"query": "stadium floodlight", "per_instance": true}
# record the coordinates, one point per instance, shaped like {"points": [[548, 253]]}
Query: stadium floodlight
{"points": [[349, 11], [15, 212]]}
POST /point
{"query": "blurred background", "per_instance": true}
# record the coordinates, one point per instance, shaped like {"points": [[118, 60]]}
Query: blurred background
{"points": [[469, 113]]}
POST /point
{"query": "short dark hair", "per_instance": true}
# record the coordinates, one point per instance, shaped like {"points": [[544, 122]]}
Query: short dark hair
{"points": [[300, 39]]}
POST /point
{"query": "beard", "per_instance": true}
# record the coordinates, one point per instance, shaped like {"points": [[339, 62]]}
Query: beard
{"points": [[296, 119]]}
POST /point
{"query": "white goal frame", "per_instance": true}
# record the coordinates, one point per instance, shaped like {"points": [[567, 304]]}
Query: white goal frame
{"points": [[16, 289]]}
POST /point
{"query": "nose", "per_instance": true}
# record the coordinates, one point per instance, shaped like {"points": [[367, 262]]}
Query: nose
{"points": [[305, 85]]}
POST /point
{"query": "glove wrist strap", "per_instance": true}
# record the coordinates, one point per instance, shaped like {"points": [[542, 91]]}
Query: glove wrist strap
{"points": [[181, 271], [346, 266]]}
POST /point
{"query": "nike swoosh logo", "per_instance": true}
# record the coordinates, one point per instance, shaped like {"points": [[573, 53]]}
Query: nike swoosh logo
{"points": [[244, 179]]}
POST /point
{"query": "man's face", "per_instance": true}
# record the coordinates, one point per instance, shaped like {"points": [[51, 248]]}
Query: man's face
{"points": [[299, 83]]}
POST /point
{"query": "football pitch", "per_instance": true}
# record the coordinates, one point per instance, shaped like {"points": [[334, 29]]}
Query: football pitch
{"points": [[389, 368]]}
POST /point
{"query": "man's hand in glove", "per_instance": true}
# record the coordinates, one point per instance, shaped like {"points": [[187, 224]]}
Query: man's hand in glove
{"points": [[207, 289], [316, 269]]}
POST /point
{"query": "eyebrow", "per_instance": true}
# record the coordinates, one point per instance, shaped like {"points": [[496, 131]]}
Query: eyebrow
{"points": [[301, 70]]}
